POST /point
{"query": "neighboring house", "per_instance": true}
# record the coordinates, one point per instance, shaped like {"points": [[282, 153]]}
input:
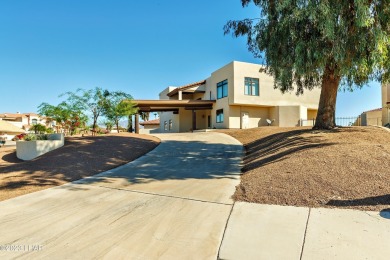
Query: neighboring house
{"points": [[26, 120], [371, 117], [385, 104], [237, 95], [8, 130], [151, 126]]}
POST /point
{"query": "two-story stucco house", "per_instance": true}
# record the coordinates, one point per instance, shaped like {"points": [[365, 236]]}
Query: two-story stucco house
{"points": [[237, 95], [26, 120]]}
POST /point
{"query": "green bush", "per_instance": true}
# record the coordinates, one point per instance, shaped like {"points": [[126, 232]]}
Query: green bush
{"points": [[34, 137]]}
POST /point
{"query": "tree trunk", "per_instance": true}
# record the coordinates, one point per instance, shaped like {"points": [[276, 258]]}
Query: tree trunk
{"points": [[327, 107], [117, 125]]}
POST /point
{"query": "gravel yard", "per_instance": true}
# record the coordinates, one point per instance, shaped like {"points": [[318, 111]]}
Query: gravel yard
{"points": [[347, 167], [80, 157]]}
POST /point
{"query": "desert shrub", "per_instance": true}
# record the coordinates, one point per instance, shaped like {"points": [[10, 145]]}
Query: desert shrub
{"points": [[30, 137], [34, 137], [42, 137]]}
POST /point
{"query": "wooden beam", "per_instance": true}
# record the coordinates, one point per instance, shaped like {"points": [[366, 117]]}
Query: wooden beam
{"points": [[199, 108]]}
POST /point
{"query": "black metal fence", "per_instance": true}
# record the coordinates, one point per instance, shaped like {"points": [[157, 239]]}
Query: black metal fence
{"points": [[349, 121]]}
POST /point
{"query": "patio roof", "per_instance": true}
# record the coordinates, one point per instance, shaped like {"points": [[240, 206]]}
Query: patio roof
{"points": [[172, 105]]}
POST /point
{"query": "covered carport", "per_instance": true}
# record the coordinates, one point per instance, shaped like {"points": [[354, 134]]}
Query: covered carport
{"points": [[171, 106]]}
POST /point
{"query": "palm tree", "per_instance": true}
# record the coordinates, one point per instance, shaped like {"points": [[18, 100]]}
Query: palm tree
{"points": [[144, 116]]}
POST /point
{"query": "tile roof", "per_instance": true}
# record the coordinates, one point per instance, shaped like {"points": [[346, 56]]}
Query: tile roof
{"points": [[3, 115], [373, 110], [151, 122]]}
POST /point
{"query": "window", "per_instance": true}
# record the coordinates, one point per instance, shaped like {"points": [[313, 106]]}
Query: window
{"points": [[222, 89], [34, 121], [165, 126], [170, 124], [220, 116], [251, 86]]}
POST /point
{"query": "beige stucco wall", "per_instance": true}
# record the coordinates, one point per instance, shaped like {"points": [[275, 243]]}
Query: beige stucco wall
{"points": [[226, 72], [165, 117], [149, 129], [28, 150], [290, 115], [257, 116], [185, 120], [372, 118], [163, 94], [268, 96], [151, 126]]}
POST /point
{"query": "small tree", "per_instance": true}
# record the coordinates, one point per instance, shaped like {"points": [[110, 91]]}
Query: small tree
{"points": [[108, 125], [320, 43], [92, 100], [59, 113], [68, 116], [119, 105]]}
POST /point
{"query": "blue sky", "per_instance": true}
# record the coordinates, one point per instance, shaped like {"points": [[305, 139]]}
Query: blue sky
{"points": [[140, 47]]}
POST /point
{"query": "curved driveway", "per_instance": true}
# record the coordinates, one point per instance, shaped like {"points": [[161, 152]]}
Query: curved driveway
{"points": [[172, 203]]}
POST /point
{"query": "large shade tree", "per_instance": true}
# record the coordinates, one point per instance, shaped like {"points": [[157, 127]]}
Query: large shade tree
{"points": [[328, 43]]}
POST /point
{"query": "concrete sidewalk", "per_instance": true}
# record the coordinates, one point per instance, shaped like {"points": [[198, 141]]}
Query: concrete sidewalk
{"points": [[257, 231]]}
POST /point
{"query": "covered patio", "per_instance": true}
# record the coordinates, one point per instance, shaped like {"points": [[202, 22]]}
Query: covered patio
{"points": [[172, 106]]}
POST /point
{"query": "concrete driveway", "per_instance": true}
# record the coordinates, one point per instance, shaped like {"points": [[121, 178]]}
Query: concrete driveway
{"points": [[172, 203]]}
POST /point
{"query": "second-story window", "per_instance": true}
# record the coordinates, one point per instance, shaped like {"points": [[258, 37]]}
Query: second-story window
{"points": [[222, 89], [34, 121], [251, 87]]}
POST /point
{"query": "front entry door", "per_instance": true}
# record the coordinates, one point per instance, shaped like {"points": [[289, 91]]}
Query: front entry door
{"points": [[244, 120]]}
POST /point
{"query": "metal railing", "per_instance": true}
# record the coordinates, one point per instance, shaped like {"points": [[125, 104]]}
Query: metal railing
{"points": [[349, 121], [307, 122]]}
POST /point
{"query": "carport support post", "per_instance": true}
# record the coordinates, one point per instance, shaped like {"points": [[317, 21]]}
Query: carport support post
{"points": [[136, 122], [193, 120]]}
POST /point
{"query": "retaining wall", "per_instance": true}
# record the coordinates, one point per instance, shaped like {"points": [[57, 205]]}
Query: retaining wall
{"points": [[28, 150]]}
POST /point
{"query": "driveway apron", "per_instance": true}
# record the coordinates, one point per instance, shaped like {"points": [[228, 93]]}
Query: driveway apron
{"points": [[172, 203]]}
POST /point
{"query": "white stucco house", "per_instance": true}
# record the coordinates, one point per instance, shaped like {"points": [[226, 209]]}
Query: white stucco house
{"points": [[26, 120], [236, 96]]}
